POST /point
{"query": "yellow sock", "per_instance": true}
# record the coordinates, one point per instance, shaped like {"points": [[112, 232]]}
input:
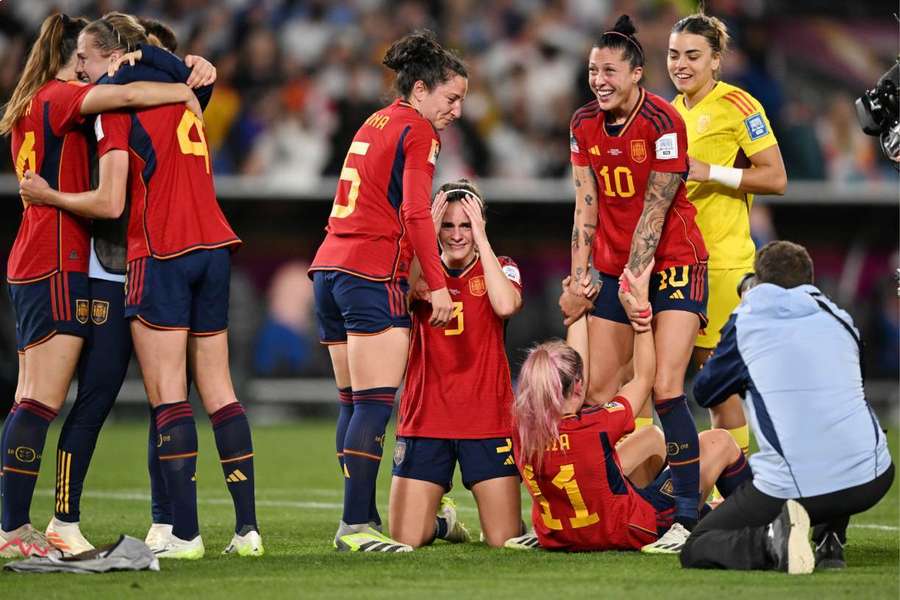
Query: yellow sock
{"points": [[642, 422], [741, 435]]}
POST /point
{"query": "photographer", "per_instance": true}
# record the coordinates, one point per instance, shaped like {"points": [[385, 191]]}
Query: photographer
{"points": [[822, 453], [878, 111]]}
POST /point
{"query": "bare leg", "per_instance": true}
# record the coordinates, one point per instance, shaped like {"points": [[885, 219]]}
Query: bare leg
{"points": [[611, 346], [413, 506], [642, 455], [499, 509]]}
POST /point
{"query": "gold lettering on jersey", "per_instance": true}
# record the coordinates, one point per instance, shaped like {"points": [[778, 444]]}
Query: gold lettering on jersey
{"points": [[378, 121], [638, 151], [27, 157], [188, 146], [560, 443]]}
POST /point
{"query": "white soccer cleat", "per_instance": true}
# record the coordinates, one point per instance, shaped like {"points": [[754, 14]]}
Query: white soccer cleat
{"points": [[67, 537], [671, 542], [25, 542], [248, 544], [456, 531], [789, 535], [158, 536], [526, 541], [180, 549]]}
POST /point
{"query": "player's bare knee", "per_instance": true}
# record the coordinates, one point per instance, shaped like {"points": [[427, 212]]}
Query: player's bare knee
{"points": [[496, 538]]}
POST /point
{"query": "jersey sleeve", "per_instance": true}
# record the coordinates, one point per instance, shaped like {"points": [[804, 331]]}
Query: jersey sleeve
{"points": [[578, 157], [668, 148], [754, 133], [511, 270], [614, 417], [421, 146], [158, 64], [65, 106], [112, 130]]}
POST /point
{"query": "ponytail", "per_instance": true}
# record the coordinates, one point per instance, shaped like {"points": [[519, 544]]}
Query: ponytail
{"points": [[51, 51]]}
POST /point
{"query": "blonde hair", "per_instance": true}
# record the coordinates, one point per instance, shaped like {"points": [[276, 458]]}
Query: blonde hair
{"points": [[51, 51], [116, 31], [546, 381], [710, 28]]}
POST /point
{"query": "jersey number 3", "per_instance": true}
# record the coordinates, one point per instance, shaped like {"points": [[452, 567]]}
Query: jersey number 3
{"points": [[342, 210]]}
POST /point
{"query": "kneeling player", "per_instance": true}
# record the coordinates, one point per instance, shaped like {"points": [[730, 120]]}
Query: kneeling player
{"points": [[587, 492], [457, 397]]}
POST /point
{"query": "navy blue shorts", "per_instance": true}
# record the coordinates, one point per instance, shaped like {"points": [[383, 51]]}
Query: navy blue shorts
{"points": [[58, 304], [661, 495], [346, 304], [676, 288], [188, 292], [431, 459]]}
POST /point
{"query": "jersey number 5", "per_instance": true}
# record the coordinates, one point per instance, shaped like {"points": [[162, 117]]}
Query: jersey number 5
{"points": [[342, 210], [188, 146], [26, 158], [564, 480]]}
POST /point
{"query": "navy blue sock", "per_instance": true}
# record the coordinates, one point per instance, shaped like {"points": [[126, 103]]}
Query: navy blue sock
{"points": [[233, 440], [177, 448], [160, 505], [733, 476], [23, 445], [6, 423], [683, 450], [363, 446], [345, 408]]}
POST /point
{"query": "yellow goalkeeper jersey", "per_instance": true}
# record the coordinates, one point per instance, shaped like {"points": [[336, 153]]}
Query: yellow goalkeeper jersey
{"points": [[724, 128]]}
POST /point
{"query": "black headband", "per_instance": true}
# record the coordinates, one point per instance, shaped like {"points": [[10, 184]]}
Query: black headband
{"points": [[629, 38]]}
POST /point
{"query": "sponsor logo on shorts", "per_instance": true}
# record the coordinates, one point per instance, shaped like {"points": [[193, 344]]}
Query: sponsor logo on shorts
{"points": [[25, 454], [477, 287], [99, 311], [82, 311], [638, 151], [399, 452]]}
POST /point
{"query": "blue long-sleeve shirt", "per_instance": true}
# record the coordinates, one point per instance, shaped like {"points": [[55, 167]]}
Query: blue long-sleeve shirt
{"points": [[158, 64], [799, 366]]}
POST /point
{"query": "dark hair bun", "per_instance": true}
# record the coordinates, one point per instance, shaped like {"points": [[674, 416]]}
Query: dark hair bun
{"points": [[416, 48], [625, 26]]}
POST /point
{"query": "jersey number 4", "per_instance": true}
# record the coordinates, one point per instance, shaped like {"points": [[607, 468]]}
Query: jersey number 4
{"points": [[343, 208], [564, 480], [26, 158], [188, 146]]}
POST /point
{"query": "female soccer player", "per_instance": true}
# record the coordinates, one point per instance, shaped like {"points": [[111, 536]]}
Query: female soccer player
{"points": [[380, 217], [629, 153], [588, 492], [457, 395], [47, 269], [179, 246], [733, 155]]}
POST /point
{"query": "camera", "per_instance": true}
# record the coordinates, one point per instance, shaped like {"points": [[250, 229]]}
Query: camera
{"points": [[878, 112]]}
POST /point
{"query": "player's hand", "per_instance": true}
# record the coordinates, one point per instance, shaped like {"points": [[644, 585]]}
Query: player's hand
{"points": [[193, 105], [438, 208], [33, 188], [420, 291], [128, 57], [203, 72], [698, 170], [472, 208], [572, 304], [634, 296], [441, 307]]}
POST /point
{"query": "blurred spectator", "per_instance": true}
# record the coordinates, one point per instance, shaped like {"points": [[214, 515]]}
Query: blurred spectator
{"points": [[285, 342], [849, 153]]}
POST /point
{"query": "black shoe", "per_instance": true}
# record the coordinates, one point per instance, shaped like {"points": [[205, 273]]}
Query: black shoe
{"points": [[790, 540], [830, 553]]}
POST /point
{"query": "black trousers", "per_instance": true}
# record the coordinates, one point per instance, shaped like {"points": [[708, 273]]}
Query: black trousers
{"points": [[733, 536]]}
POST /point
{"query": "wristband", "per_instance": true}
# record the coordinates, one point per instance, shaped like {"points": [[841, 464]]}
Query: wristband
{"points": [[645, 313], [727, 176]]}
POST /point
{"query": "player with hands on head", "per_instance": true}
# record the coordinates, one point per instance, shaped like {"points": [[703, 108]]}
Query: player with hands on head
{"points": [[380, 219], [733, 155], [629, 155], [458, 394]]}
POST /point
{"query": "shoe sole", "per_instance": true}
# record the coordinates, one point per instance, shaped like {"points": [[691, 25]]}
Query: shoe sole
{"points": [[181, 556], [801, 560]]}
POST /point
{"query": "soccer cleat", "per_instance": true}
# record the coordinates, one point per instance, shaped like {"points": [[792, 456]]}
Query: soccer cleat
{"points": [[456, 531], [180, 549], [527, 541], [789, 538], [67, 537], [830, 553], [25, 542], [248, 543], [671, 542], [158, 536], [362, 538]]}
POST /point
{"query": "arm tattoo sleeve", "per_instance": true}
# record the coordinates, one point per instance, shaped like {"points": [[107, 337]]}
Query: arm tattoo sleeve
{"points": [[661, 189]]}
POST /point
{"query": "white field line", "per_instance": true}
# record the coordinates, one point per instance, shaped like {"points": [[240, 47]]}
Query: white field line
{"points": [[138, 496]]}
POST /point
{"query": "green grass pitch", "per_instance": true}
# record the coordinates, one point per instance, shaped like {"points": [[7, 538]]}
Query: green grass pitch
{"points": [[299, 495]]}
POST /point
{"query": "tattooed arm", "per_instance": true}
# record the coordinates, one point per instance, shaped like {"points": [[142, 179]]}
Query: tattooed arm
{"points": [[661, 188], [585, 220]]}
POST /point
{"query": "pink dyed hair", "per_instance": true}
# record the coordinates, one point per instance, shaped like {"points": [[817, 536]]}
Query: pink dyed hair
{"points": [[546, 381]]}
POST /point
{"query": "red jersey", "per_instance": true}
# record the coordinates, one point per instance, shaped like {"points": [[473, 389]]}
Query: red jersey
{"points": [[384, 197], [653, 138], [49, 141], [581, 498], [170, 181], [457, 379]]}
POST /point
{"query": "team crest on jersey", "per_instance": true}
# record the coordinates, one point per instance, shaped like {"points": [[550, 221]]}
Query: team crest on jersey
{"points": [[703, 123], [638, 151], [435, 150], [756, 126], [399, 452], [99, 311], [477, 287], [82, 311]]}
